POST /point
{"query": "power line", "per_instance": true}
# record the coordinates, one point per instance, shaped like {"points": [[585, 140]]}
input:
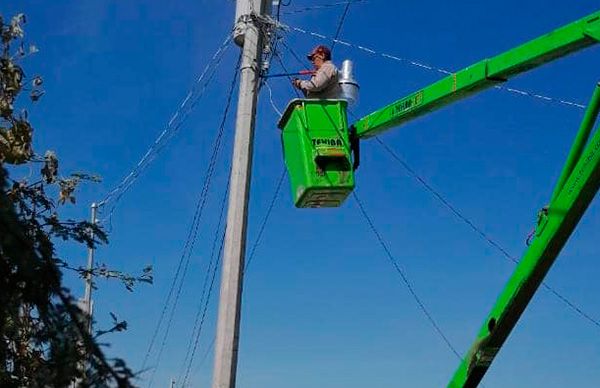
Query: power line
{"points": [[197, 328], [275, 52], [479, 231], [192, 234], [265, 219], [286, 70], [170, 129], [255, 244], [279, 5], [340, 24], [323, 6], [204, 309], [206, 353], [445, 202], [294, 54], [428, 67], [274, 38], [540, 96], [404, 277], [266, 83]]}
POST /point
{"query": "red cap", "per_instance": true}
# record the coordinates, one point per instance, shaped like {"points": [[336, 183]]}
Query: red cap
{"points": [[320, 49]]}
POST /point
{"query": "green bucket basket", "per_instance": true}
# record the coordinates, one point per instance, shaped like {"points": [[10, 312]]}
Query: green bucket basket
{"points": [[317, 152]]}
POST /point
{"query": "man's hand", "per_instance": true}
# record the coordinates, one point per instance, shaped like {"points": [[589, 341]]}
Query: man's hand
{"points": [[296, 83]]}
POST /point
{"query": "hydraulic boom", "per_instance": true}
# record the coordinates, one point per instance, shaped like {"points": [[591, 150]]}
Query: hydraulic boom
{"points": [[482, 75], [321, 152]]}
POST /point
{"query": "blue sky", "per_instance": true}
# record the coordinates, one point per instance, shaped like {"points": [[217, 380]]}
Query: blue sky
{"points": [[323, 307]]}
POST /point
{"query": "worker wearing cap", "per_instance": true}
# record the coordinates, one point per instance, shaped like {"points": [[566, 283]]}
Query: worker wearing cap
{"points": [[324, 81]]}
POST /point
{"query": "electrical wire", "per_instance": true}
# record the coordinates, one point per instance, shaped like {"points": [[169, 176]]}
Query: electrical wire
{"points": [[252, 251], [192, 234], [278, 56], [445, 202], [204, 308], [199, 318], [266, 83], [425, 66], [294, 54], [270, 33], [479, 231], [265, 219], [404, 277], [275, 38], [170, 129], [208, 350], [340, 24], [323, 6], [282, 4]]}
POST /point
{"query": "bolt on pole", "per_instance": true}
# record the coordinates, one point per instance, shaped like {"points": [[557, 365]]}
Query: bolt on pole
{"points": [[247, 35]]}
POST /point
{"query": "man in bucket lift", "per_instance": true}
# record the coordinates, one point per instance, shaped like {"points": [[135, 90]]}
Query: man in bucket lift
{"points": [[324, 81]]}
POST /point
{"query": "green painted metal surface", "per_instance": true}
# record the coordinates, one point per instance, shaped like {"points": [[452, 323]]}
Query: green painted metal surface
{"points": [[317, 152], [583, 134], [484, 74], [555, 225]]}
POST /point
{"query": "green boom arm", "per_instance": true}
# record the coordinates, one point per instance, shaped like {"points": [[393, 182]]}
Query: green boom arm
{"points": [[575, 189], [482, 75]]}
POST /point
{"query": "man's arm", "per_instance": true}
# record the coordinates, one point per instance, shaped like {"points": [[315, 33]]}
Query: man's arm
{"points": [[319, 80]]}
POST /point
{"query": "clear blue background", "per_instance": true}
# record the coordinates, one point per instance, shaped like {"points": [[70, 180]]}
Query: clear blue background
{"points": [[323, 307]]}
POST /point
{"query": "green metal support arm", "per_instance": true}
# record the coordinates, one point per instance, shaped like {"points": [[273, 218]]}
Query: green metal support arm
{"points": [[574, 192], [482, 75], [580, 141]]}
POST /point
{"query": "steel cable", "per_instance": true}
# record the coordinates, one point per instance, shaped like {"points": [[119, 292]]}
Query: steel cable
{"points": [[294, 54], [209, 269], [404, 277], [484, 236], [425, 66], [170, 129], [204, 308], [265, 219], [322, 6], [286, 70], [252, 252], [340, 24]]}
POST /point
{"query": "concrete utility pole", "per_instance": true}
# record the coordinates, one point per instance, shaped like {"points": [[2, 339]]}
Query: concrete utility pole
{"points": [[246, 35], [87, 298], [85, 304]]}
